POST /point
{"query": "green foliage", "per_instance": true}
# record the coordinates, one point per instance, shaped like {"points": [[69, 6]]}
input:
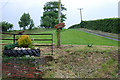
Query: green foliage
{"points": [[107, 25], [17, 36], [50, 15], [46, 21], [24, 41], [6, 26], [10, 46], [26, 21], [53, 6], [31, 25], [31, 46]]}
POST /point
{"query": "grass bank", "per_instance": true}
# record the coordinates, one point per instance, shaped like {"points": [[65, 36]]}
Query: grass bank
{"points": [[73, 37], [75, 61]]}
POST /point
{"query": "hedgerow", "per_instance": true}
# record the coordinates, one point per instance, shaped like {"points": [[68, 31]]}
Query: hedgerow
{"points": [[107, 25]]}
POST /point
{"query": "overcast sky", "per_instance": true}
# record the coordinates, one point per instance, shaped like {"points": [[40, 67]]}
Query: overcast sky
{"points": [[12, 10]]}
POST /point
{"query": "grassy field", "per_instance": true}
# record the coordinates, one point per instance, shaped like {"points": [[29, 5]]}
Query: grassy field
{"points": [[73, 37]]}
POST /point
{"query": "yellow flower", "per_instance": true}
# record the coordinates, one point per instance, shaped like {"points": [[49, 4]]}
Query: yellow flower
{"points": [[24, 41]]}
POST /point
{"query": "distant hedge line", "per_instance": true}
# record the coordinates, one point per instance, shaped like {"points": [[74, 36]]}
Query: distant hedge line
{"points": [[111, 25]]}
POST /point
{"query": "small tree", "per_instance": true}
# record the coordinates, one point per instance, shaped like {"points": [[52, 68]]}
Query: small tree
{"points": [[31, 24], [6, 26], [24, 21]]}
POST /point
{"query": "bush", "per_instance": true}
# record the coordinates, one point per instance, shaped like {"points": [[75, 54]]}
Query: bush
{"points": [[10, 46], [17, 37], [24, 41]]}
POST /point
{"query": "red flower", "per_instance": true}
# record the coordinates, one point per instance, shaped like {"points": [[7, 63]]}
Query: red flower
{"points": [[24, 69], [12, 76], [7, 72], [9, 63], [32, 68], [29, 76], [34, 72], [40, 72], [20, 71]]}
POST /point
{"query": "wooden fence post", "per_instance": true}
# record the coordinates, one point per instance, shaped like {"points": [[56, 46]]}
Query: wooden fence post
{"points": [[52, 44], [14, 38]]}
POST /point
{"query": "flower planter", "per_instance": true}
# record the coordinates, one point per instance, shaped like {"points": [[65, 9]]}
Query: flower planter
{"points": [[16, 53]]}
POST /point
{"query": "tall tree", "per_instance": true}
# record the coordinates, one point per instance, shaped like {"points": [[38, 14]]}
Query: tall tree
{"points": [[6, 26], [51, 11], [24, 21]]}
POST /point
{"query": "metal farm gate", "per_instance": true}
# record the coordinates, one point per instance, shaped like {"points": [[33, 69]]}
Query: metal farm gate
{"points": [[51, 39]]}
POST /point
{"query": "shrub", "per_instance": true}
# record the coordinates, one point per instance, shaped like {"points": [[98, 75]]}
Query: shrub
{"points": [[17, 37], [11, 46], [24, 41]]}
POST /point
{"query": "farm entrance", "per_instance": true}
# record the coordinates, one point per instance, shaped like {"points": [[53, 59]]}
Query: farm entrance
{"points": [[37, 39]]}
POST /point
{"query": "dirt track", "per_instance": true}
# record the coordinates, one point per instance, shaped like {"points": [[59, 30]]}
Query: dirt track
{"points": [[108, 36]]}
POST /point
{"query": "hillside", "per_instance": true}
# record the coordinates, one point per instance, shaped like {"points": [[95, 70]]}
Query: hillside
{"points": [[71, 37], [110, 25]]}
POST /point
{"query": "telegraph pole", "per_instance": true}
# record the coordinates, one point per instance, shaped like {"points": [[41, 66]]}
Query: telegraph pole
{"points": [[81, 15], [59, 18], [59, 11]]}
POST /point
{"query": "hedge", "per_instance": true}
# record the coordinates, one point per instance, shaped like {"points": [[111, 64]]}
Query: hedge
{"points": [[111, 25]]}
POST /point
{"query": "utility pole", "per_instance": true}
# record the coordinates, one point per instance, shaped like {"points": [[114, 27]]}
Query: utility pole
{"points": [[59, 11], [59, 18], [81, 15]]}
